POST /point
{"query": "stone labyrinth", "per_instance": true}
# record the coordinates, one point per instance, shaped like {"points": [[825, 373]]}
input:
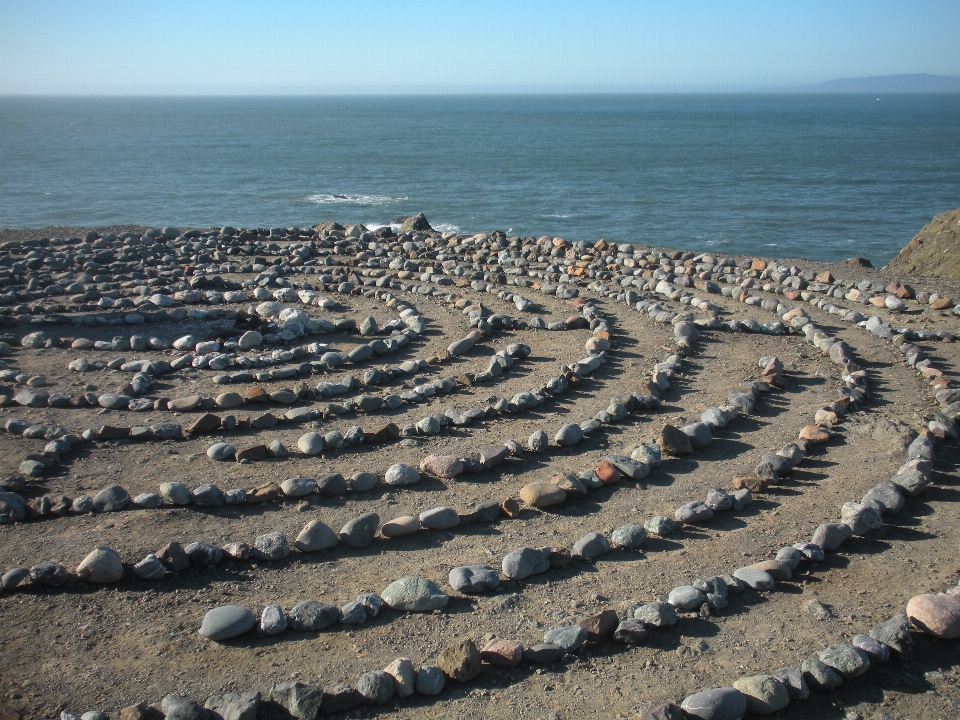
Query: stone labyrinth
{"points": [[262, 473]]}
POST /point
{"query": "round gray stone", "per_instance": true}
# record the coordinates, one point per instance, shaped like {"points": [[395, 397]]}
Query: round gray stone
{"points": [[685, 598], [472, 579], [272, 620], [847, 660], [590, 546], [360, 532], [629, 537], [311, 615], [414, 594], [430, 680], [725, 703], [523, 563], [376, 686], [400, 474], [270, 546], [657, 614], [569, 637], [227, 621]]}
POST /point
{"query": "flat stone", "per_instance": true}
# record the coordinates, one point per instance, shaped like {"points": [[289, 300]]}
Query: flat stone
{"points": [[441, 466], [725, 703], [227, 621], [693, 512], [685, 598], [830, 536], [590, 546], [403, 525], [439, 518], [630, 631], [875, 650], [460, 662], [501, 652], [540, 495], [523, 563], [471, 579], [544, 654], [569, 637], [414, 594], [756, 579], [298, 486], [765, 694], [814, 435]]}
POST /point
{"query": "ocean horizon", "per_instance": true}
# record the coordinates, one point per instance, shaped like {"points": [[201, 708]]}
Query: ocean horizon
{"points": [[825, 177]]}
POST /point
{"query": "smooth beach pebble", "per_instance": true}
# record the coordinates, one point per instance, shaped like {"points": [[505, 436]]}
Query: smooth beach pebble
{"points": [[226, 622]]}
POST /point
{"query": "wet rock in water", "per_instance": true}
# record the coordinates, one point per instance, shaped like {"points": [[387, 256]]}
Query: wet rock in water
{"points": [[523, 563], [227, 621], [414, 594], [102, 565], [936, 615], [310, 615], [460, 662], [725, 703], [473, 579], [765, 694]]}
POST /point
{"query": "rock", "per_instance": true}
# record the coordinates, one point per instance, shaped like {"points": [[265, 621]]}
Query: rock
{"points": [[353, 613], [376, 687], [861, 519], [777, 569], [48, 574], [314, 537], [430, 680], [250, 339], [544, 654], [657, 614], [400, 474], [404, 676], [440, 518], [792, 679], [414, 594], [272, 620], [818, 610], [630, 631], [674, 441], [234, 706], [310, 616], [540, 495], [331, 485], [818, 676], [403, 525], [173, 557], [661, 526], [568, 435], [725, 703], [149, 501], [590, 546], [203, 554], [569, 637], [693, 512], [472, 579], [439, 466], [362, 482], [502, 653], [886, 498], [300, 700], [629, 537], [765, 694], [12, 578], [179, 708], [685, 598], [875, 650], [341, 698], [102, 565], [298, 486], [523, 563], [814, 435], [662, 711], [537, 442], [830, 536], [270, 546], [13, 508], [207, 495], [360, 532], [175, 493], [600, 626], [311, 443], [110, 499], [460, 662], [227, 621], [936, 615], [718, 500], [221, 451], [756, 579]]}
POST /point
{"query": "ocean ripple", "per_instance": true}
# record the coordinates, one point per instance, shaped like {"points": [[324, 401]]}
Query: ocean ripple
{"points": [[340, 199]]}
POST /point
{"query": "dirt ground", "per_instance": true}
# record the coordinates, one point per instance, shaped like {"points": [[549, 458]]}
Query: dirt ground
{"points": [[83, 646]]}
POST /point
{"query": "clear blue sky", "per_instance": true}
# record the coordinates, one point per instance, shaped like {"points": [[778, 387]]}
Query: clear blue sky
{"points": [[238, 47]]}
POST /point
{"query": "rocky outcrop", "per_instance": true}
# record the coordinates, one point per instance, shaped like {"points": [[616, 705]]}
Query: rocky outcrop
{"points": [[935, 250]]}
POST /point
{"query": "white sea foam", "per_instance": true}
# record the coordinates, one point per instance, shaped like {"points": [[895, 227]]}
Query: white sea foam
{"points": [[562, 216], [341, 199], [446, 227]]}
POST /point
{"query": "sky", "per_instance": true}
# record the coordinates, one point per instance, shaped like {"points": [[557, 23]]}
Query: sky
{"points": [[236, 47]]}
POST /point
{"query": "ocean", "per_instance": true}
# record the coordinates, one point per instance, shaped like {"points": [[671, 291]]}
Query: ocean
{"points": [[825, 177]]}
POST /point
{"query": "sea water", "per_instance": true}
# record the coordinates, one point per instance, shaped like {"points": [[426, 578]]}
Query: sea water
{"points": [[818, 176]]}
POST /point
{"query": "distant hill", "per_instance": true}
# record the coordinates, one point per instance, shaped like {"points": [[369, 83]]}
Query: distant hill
{"points": [[915, 83]]}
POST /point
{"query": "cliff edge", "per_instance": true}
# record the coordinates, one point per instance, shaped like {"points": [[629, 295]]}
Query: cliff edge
{"points": [[934, 251]]}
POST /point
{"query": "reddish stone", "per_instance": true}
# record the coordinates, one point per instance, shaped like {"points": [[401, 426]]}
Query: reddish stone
{"points": [[502, 652], [510, 507], [607, 473]]}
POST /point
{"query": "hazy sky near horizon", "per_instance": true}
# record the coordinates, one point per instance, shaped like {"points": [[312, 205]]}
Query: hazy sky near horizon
{"points": [[102, 47]]}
